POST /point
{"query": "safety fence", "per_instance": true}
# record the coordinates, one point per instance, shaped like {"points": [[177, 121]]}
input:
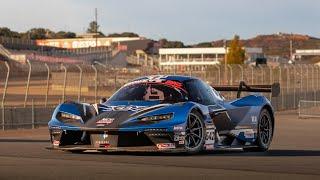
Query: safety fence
{"points": [[27, 118], [44, 85], [309, 109]]}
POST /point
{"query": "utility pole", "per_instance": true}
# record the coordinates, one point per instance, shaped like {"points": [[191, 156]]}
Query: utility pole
{"points": [[225, 61], [96, 20], [291, 52]]}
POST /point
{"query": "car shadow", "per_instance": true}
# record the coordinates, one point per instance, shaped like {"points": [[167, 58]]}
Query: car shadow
{"points": [[24, 140], [272, 152], [238, 153]]}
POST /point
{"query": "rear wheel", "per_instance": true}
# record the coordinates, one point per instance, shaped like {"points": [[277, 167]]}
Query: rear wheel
{"points": [[195, 133], [265, 133]]}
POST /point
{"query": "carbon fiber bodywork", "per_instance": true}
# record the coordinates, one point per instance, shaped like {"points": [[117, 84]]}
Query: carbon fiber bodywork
{"points": [[155, 126]]}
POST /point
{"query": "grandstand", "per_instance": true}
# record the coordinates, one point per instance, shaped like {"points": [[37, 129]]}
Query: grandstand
{"points": [[20, 50], [120, 53]]}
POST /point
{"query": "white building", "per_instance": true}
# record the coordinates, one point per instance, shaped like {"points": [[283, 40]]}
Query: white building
{"points": [[306, 52], [197, 58]]}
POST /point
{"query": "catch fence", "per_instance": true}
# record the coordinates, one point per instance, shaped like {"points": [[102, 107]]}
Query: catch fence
{"points": [[41, 85]]}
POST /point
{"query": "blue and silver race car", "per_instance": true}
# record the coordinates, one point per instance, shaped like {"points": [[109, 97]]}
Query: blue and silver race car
{"points": [[167, 114]]}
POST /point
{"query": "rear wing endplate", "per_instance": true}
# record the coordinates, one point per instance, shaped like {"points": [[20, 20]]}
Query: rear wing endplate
{"points": [[274, 88]]}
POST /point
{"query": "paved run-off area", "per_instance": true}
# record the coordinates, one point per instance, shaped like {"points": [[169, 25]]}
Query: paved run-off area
{"points": [[294, 154]]}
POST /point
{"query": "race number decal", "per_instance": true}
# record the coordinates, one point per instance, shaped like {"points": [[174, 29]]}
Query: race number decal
{"points": [[210, 136]]}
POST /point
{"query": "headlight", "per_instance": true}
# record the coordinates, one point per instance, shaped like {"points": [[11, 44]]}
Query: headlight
{"points": [[157, 118], [68, 116]]}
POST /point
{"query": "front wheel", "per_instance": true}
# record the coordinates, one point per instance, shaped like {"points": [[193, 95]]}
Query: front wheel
{"points": [[265, 133], [195, 133]]}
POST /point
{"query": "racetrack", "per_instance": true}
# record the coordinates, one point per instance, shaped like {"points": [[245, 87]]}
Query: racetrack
{"points": [[294, 154]]}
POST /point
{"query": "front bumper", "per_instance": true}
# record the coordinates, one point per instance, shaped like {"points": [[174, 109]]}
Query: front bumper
{"points": [[111, 140]]}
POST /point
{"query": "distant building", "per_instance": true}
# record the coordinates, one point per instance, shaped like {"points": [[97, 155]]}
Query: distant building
{"points": [[85, 41], [305, 52], [197, 58]]}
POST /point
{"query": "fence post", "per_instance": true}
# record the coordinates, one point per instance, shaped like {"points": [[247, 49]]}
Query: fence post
{"points": [[312, 83], [47, 90], [317, 82], [4, 95], [294, 86], [271, 74], [28, 82], [115, 81], [301, 81], [262, 73], [32, 114], [270, 80], [219, 74], [307, 86], [64, 82], [80, 82], [252, 82], [95, 82], [231, 79], [281, 87], [241, 68]]}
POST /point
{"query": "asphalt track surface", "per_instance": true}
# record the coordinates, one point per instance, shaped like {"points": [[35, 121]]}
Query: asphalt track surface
{"points": [[294, 154]]}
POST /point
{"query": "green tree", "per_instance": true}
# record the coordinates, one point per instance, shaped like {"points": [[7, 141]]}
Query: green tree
{"points": [[63, 34], [124, 34], [6, 32], [236, 53], [164, 43], [40, 33], [93, 27], [203, 45]]}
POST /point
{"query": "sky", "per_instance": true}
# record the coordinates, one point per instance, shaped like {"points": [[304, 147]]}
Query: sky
{"points": [[190, 21]]}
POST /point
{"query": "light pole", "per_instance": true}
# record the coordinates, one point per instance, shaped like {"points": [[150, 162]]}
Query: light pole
{"points": [[225, 61], [96, 19], [291, 48]]}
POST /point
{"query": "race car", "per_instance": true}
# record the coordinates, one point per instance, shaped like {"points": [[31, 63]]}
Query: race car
{"points": [[167, 114]]}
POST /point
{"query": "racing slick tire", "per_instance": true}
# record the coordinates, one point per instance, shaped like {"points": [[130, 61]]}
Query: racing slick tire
{"points": [[264, 133], [195, 133]]}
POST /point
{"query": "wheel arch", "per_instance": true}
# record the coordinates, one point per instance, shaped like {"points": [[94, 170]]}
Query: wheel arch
{"points": [[271, 112], [194, 107]]}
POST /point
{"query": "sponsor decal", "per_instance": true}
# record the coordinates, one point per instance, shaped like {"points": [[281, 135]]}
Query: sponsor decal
{"points": [[210, 126], [166, 146], [56, 132], [102, 142], [209, 146], [254, 119], [56, 143], [178, 128], [121, 108], [175, 84], [179, 137], [55, 127], [158, 79], [104, 121], [249, 134]]}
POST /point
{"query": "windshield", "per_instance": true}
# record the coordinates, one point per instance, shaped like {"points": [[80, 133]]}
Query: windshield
{"points": [[149, 92]]}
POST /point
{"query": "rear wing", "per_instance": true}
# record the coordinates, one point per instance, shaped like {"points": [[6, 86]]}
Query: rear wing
{"points": [[274, 88]]}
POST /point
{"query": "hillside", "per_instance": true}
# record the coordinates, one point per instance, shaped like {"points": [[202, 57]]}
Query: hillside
{"points": [[277, 44]]}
